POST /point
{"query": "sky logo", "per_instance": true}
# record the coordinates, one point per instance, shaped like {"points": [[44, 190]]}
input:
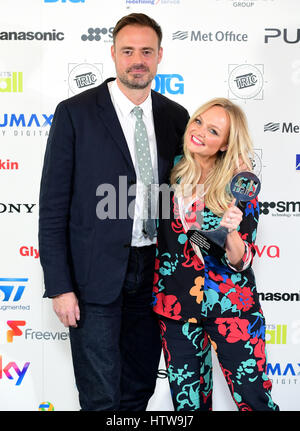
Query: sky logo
{"points": [[12, 365], [297, 162], [11, 289]]}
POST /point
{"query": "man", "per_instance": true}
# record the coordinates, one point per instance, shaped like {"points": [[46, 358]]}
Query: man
{"points": [[99, 271]]}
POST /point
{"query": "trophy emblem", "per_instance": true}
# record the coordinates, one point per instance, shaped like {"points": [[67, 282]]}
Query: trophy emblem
{"points": [[244, 186]]}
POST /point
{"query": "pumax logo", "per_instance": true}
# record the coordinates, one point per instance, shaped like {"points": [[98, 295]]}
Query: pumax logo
{"points": [[285, 34]]}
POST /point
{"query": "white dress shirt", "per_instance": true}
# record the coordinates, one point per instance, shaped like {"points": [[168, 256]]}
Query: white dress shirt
{"points": [[123, 107]]}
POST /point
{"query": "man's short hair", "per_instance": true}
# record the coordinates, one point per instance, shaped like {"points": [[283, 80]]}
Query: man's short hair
{"points": [[138, 19]]}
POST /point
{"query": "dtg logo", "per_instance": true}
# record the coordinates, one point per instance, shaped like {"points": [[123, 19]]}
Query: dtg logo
{"points": [[15, 331], [12, 291], [20, 373], [172, 84]]}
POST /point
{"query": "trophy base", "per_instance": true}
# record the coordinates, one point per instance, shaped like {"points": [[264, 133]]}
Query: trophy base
{"points": [[212, 242]]}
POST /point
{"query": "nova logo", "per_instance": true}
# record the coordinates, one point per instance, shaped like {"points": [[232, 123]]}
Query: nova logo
{"points": [[292, 37], [15, 331], [283, 370], [11, 82], [12, 288], [12, 365], [12, 120], [272, 251], [172, 84]]}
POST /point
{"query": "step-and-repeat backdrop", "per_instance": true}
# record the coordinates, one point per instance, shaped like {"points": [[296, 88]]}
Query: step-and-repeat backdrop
{"points": [[50, 50]]}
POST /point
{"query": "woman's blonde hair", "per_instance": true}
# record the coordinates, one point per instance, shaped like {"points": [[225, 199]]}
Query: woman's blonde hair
{"points": [[228, 163]]}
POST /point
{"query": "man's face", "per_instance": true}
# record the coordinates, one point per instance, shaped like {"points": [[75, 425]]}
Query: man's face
{"points": [[136, 55]]}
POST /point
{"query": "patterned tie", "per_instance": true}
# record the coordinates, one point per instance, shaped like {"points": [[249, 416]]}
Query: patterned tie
{"points": [[145, 169]]}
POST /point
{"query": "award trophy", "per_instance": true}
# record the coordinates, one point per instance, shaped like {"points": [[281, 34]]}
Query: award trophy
{"points": [[244, 186]]}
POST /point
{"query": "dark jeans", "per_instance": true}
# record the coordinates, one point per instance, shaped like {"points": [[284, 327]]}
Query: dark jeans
{"points": [[116, 347]]}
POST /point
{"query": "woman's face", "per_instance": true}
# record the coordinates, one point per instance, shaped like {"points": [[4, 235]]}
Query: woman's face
{"points": [[208, 133]]}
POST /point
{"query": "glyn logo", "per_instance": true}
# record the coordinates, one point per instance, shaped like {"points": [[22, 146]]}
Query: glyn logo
{"points": [[12, 365]]}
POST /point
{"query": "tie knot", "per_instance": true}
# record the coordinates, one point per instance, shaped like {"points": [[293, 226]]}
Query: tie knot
{"points": [[138, 112]]}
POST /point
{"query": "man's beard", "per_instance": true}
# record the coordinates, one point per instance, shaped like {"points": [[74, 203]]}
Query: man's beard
{"points": [[136, 82]]}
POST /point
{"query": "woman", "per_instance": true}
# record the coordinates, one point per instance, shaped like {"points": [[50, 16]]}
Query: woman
{"points": [[205, 299]]}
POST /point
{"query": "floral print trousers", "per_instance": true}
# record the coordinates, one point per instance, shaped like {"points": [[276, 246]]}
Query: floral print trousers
{"points": [[240, 347]]}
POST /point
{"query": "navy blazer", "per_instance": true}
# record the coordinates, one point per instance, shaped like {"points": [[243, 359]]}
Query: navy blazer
{"points": [[86, 148]]}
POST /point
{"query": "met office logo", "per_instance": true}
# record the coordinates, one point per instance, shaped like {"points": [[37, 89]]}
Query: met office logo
{"points": [[227, 36], [245, 81], [284, 127], [82, 76]]}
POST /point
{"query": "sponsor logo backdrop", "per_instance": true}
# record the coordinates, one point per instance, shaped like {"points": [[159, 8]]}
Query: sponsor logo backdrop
{"points": [[52, 49]]}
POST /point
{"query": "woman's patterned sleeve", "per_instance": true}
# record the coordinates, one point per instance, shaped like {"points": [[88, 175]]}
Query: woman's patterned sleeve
{"points": [[247, 231]]}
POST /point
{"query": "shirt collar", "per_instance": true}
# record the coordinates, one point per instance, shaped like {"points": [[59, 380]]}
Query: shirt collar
{"points": [[125, 105]]}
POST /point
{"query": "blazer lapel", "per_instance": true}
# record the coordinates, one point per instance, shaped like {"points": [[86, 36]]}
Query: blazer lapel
{"points": [[110, 120]]}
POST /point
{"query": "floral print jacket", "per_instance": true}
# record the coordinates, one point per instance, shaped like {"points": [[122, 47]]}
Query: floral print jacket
{"points": [[187, 288]]}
